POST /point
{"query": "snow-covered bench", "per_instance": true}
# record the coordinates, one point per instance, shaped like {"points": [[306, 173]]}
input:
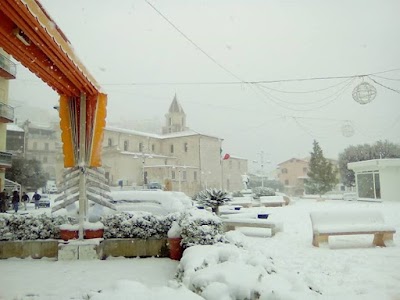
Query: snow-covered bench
{"points": [[272, 201], [327, 223], [231, 224], [245, 201]]}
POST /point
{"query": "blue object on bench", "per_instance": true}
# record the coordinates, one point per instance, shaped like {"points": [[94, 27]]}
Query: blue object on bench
{"points": [[262, 216]]}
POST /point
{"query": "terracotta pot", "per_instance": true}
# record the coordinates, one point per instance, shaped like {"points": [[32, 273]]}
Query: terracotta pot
{"points": [[94, 234], [175, 248], [69, 234]]}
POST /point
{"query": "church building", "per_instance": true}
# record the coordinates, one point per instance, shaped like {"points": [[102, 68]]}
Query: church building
{"points": [[180, 159]]}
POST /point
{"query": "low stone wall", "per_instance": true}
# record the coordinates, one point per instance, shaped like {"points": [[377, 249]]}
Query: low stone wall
{"points": [[133, 248], [103, 248], [34, 249]]}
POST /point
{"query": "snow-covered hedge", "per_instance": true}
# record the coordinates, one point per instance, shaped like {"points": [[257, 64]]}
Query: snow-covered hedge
{"points": [[140, 225], [263, 191], [31, 227], [200, 227]]}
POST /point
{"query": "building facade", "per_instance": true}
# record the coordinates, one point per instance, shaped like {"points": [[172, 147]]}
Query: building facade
{"points": [[180, 159], [292, 173], [7, 71]]}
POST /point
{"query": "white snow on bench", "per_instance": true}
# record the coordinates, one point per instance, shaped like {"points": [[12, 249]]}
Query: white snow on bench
{"points": [[334, 222], [272, 200]]}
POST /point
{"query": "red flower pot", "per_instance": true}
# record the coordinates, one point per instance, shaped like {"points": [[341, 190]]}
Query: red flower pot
{"points": [[94, 233], [69, 234], [175, 248]]}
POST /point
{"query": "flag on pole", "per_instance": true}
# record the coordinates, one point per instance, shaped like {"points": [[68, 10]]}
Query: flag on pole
{"points": [[226, 156]]}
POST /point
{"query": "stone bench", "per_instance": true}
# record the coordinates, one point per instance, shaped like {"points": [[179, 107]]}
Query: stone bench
{"points": [[272, 201], [333, 223], [231, 224]]}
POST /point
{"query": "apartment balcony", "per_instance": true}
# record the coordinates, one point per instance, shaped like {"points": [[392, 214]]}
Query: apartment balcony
{"points": [[6, 113], [8, 69], [5, 159]]}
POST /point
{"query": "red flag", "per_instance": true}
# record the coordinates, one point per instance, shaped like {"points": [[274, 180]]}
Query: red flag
{"points": [[226, 156]]}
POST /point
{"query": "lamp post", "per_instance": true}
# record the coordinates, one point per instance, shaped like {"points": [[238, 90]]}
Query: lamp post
{"points": [[143, 156], [261, 161]]}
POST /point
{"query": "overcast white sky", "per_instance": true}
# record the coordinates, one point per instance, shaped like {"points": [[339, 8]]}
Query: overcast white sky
{"points": [[124, 42]]}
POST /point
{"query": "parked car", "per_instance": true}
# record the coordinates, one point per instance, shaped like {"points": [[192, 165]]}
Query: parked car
{"points": [[53, 190], [154, 186], [44, 201]]}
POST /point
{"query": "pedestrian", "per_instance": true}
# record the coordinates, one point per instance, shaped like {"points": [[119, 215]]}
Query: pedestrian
{"points": [[3, 201], [25, 199], [36, 197], [15, 200]]}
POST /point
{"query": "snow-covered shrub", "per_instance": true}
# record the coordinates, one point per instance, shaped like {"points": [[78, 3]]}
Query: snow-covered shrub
{"points": [[200, 227], [31, 227], [212, 272], [237, 194], [263, 191], [213, 198], [137, 225]]}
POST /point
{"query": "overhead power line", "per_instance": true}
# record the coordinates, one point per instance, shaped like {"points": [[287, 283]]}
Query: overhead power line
{"points": [[248, 82], [193, 43]]}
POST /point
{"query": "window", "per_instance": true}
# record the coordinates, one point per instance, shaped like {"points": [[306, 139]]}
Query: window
{"points": [[45, 159], [195, 175], [34, 146], [109, 142], [304, 170], [172, 148], [230, 164], [185, 147], [284, 171], [140, 147], [184, 175], [126, 145], [46, 146], [153, 148], [369, 185], [286, 182], [170, 122], [173, 175]]}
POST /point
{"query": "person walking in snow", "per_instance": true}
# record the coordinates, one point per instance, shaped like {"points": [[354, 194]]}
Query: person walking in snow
{"points": [[15, 200], [36, 197], [3, 201], [25, 199]]}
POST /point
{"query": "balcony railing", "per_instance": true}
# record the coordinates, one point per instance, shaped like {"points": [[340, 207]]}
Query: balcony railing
{"points": [[6, 113], [5, 159], [8, 69]]}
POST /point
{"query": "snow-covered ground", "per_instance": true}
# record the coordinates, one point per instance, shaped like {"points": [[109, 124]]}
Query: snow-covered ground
{"points": [[348, 268]]}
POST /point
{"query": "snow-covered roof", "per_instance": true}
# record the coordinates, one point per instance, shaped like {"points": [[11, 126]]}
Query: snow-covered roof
{"points": [[133, 132], [159, 136], [374, 164], [14, 127]]}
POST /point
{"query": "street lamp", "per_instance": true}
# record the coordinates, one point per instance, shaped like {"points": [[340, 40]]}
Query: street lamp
{"points": [[143, 156], [261, 161]]}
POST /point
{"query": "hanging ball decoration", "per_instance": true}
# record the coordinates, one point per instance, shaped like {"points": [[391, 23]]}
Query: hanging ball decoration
{"points": [[364, 93], [347, 129]]}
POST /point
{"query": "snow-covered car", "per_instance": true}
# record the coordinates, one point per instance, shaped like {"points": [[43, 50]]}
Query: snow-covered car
{"points": [[53, 190], [44, 201]]}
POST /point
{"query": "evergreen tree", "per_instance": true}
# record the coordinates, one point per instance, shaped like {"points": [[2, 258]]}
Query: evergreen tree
{"points": [[322, 175], [28, 173]]}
